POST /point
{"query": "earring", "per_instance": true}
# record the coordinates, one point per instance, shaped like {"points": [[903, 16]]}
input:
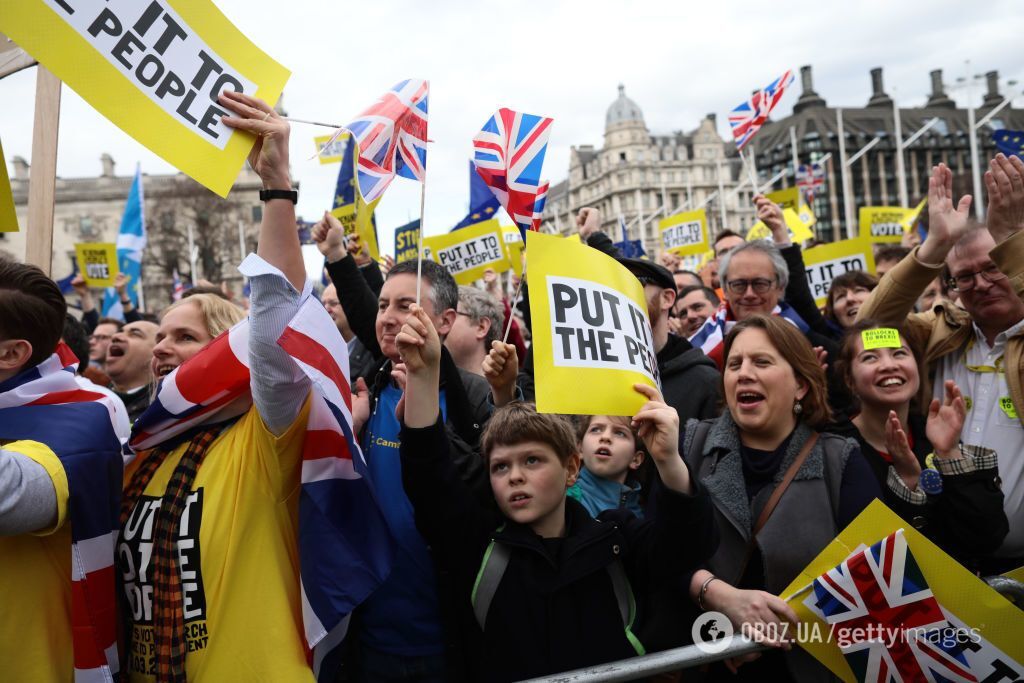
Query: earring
{"points": [[797, 408]]}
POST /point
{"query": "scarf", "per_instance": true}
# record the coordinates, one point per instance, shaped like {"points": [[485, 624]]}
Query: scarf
{"points": [[45, 404], [710, 338]]}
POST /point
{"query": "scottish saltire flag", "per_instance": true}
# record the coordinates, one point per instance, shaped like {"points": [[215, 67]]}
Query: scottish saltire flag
{"points": [[888, 624], [131, 242], [508, 153], [1009, 142], [392, 138], [748, 118], [710, 338], [627, 247], [345, 546], [482, 202], [46, 404]]}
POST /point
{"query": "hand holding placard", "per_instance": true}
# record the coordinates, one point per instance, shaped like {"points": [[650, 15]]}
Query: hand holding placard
{"points": [[658, 427]]}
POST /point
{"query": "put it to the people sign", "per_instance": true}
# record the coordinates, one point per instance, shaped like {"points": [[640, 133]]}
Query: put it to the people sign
{"points": [[155, 68], [685, 234], [592, 339]]}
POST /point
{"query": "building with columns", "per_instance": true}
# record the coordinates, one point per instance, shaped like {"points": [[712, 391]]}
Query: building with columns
{"points": [[873, 178], [637, 174], [90, 210]]}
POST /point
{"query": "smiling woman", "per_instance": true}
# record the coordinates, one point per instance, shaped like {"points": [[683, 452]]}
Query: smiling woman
{"points": [[781, 491]]}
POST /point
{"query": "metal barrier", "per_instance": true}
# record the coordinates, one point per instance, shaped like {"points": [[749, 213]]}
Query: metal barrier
{"points": [[656, 663], [690, 656], [1011, 589]]}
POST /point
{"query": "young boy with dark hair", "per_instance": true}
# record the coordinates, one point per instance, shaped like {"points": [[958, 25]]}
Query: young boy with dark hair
{"points": [[611, 452], [543, 587]]}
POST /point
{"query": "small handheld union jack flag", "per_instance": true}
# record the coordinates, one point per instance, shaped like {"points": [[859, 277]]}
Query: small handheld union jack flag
{"points": [[508, 155], [748, 118], [392, 138]]}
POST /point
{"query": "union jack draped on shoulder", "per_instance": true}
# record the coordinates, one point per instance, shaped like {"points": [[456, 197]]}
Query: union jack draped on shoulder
{"points": [[710, 337], [345, 547], [748, 118], [508, 153], [45, 404]]}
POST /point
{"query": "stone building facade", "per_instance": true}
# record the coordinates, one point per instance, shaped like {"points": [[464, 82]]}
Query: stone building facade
{"points": [[873, 177], [90, 210], [636, 174]]}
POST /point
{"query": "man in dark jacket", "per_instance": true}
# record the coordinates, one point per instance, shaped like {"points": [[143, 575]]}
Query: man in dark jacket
{"points": [[406, 624], [689, 380]]}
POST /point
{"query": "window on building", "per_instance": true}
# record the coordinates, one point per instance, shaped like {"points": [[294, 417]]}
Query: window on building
{"points": [[673, 200], [941, 126], [257, 214], [622, 156]]}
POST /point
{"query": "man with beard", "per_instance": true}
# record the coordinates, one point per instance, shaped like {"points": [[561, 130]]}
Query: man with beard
{"points": [[128, 364]]}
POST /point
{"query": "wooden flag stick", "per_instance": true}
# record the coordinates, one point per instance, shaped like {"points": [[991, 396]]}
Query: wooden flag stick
{"points": [[512, 307], [43, 184]]}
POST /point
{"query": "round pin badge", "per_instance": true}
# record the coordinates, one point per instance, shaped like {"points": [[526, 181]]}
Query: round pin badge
{"points": [[931, 482]]}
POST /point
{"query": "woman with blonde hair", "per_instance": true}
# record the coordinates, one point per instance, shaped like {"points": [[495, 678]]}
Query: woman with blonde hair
{"points": [[781, 490]]}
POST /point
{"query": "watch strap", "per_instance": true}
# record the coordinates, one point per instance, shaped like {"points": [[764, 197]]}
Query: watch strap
{"points": [[267, 195]]}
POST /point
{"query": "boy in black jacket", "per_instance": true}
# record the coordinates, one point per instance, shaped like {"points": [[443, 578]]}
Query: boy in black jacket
{"points": [[545, 588]]}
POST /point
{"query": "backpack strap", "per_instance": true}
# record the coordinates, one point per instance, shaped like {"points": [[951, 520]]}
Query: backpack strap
{"points": [[492, 568]]}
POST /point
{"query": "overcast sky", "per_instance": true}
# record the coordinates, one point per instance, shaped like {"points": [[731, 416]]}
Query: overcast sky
{"points": [[678, 61]]}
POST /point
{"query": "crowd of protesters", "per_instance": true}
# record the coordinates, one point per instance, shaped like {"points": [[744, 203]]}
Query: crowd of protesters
{"points": [[525, 543]]}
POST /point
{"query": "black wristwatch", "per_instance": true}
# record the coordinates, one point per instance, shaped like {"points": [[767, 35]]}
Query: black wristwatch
{"points": [[266, 195]]}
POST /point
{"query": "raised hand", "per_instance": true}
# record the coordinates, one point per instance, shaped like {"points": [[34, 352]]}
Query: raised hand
{"points": [[418, 343], [658, 427], [121, 281], [588, 221], [669, 260], [360, 405], [354, 245], [946, 223], [771, 214], [330, 238], [501, 367], [903, 459], [945, 421], [269, 155], [1005, 184]]}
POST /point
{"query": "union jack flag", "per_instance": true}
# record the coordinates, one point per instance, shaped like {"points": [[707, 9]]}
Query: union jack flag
{"points": [[508, 153], [345, 547], [46, 404], [392, 138], [710, 337], [885, 618], [748, 118]]}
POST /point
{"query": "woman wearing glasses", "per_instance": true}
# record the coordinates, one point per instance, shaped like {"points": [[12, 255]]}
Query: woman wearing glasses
{"points": [[980, 346]]}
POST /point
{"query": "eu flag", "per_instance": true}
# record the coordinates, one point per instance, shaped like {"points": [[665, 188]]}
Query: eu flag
{"points": [[483, 205], [1009, 142]]}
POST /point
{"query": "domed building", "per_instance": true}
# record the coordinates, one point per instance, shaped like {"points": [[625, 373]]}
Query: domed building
{"points": [[636, 174]]}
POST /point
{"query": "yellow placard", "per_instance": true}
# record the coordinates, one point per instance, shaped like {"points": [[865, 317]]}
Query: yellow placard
{"points": [[97, 262], [880, 338], [360, 222], [799, 224], [972, 608], [826, 262], [331, 153], [590, 329], [575, 238], [1016, 574], [887, 223], [468, 252], [514, 247], [787, 199], [685, 234], [8, 216], [155, 70]]}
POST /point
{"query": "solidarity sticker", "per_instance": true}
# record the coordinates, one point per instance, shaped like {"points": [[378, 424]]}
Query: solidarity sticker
{"points": [[880, 338]]}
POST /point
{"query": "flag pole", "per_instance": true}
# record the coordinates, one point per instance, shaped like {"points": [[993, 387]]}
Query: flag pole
{"points": [[512, 306], [750, 170], [419, 236]]}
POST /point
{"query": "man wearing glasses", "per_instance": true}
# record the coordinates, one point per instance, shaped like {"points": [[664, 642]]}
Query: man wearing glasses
{"points": [[981, 346]]}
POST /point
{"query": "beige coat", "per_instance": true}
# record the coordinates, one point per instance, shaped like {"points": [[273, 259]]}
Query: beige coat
{"points": [[946, 329]]}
